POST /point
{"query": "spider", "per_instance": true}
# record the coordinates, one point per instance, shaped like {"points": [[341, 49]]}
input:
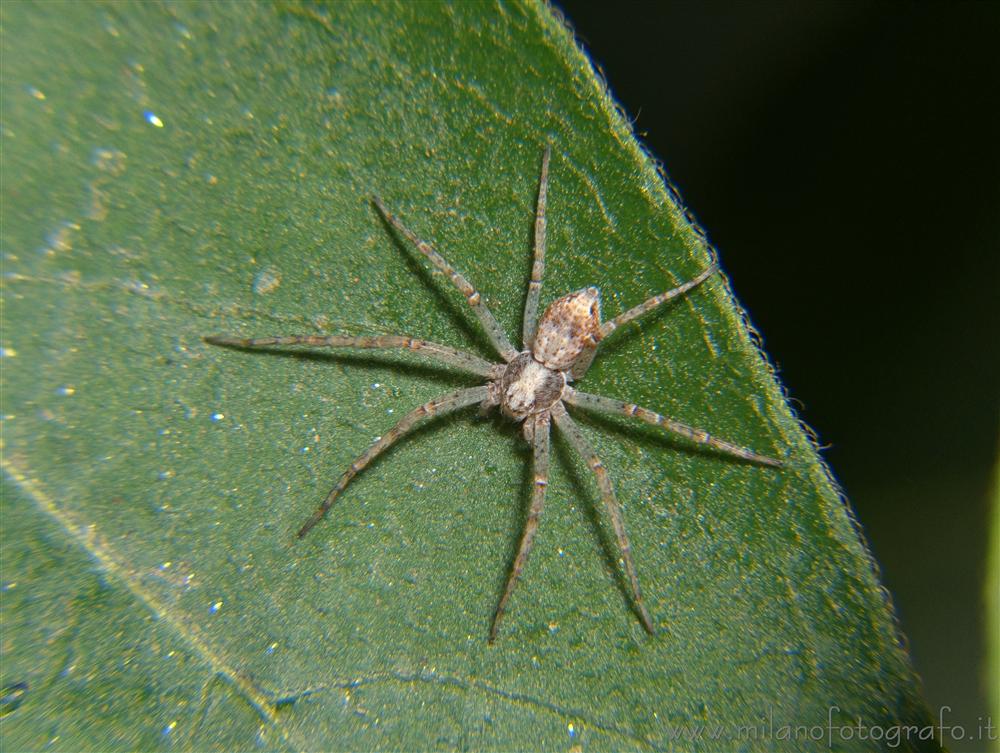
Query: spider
{"points": [[532, 386]]}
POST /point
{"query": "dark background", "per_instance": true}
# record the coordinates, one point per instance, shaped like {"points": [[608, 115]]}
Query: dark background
{"points": [[845, 160]]}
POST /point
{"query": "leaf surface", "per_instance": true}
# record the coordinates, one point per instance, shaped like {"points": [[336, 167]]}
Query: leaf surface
{"points": [[186, 170]]}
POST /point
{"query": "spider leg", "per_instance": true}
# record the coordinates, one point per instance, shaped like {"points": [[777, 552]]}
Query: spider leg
{"points": [[538, 267], [583, 361], [451, 356], [436, 407], [497, 337], [579, 441], [541, 470], [611, 405], [656, 301]]}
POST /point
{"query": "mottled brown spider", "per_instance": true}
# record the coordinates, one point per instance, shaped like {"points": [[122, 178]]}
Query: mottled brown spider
{"points": [[531, 386]]}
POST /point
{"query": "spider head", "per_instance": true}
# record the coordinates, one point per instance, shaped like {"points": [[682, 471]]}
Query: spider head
{"points": [[569, 326], [528, 387]]}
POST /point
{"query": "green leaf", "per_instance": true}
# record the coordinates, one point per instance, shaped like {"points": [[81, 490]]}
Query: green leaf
{"points": [[172, 172]]}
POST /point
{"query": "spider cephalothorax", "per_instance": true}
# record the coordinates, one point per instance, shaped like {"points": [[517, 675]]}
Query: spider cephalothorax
{"points": [[525, 387], [531, 385]]}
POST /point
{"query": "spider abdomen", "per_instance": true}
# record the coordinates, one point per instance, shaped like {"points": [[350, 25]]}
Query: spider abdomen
{"points": [[528, 387], [569, 326]]}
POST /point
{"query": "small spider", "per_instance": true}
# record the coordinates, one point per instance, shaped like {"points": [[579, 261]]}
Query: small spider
{"points": [[531, 386]]}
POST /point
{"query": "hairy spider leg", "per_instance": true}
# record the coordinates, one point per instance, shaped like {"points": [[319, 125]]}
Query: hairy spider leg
{"points": [[452, 356], [656, 301], [439, 406], [582, 445], [611, 405], [540, 444], [497, 338], [530, 323]]}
